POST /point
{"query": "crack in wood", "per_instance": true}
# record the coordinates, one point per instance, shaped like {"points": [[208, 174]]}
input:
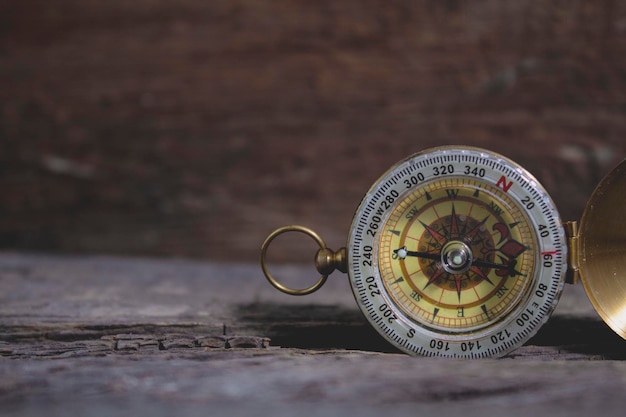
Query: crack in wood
{"points": [[79, 340], [335, 327]]}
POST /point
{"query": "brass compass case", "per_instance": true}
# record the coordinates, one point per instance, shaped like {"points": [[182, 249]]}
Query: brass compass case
{"points": [[460, 252], [600, 249]]}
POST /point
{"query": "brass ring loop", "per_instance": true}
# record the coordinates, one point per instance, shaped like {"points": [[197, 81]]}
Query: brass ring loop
{"points": [[270, 277]]}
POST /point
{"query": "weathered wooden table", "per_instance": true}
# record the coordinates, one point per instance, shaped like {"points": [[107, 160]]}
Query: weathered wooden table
{"points": [[101, 336]]}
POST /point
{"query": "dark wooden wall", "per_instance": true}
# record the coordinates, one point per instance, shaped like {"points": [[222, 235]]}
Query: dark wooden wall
{"points": [[193, 128]]}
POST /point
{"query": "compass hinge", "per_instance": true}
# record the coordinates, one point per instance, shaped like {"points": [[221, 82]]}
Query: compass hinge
{"points": [[573, 268]]}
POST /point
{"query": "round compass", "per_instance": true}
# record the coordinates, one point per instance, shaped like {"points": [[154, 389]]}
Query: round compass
{"points": [[455, 251]]}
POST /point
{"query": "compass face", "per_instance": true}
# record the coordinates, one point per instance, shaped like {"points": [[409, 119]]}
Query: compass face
{"points": [[457, 252]]}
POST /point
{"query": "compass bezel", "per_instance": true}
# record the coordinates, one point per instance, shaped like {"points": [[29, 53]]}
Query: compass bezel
{"points": [[506, 334]]}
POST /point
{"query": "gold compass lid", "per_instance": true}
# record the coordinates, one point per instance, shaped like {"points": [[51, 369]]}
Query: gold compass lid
{"points": [[602, 249]]}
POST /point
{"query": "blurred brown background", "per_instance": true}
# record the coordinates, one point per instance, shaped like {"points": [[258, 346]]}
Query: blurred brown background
{"points": [[193, 128]]}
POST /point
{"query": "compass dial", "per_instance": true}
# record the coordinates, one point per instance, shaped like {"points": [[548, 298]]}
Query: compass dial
{"points": [[457, 252], [452, 258]]}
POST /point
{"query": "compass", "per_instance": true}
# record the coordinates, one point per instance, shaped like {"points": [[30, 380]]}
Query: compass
{"points": [[460, 252]]}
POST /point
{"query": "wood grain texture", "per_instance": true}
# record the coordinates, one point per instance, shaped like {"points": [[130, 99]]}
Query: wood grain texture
{"points": [[101, 336], [195, 128]]}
